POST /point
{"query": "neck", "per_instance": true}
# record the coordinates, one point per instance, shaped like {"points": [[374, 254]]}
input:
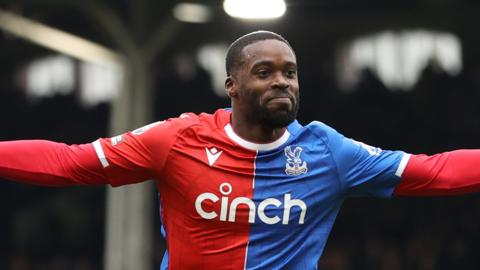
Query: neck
{"points": [[254, 131]]}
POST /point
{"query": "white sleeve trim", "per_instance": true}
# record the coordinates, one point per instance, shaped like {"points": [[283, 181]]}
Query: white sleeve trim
{"points": [[402, 165], [100, 153]]}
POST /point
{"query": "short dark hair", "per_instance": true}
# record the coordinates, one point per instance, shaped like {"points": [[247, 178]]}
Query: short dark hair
{"points": [[234, 52]]}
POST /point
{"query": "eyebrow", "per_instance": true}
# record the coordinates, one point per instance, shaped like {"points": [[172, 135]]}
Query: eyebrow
{"points": [[268, 62]]}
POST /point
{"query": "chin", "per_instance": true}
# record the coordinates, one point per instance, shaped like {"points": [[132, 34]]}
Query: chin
{"points": [[278, 119]]}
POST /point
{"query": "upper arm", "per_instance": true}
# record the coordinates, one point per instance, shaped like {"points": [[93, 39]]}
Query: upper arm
{"points": [[365, 170], [138, 155]]}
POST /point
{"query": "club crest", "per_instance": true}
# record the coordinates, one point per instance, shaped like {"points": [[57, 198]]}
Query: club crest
{"points": [[295, 165]]}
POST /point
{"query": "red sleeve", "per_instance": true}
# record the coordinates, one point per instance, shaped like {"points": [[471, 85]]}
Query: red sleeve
{"points": [[450, 173], [141, 154], [129, 158], [50, 164]]}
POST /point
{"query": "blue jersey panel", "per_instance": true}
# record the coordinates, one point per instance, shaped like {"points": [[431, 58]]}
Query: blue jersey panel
{"points": [[363, 170], [164, 264], [298, 195]]}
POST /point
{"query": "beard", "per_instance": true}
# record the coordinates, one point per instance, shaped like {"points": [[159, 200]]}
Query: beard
{"points": [[273, 118]]}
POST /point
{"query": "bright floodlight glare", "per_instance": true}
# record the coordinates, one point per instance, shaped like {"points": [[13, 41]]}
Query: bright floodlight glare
{"points": [[192, 13], [255, 9]]}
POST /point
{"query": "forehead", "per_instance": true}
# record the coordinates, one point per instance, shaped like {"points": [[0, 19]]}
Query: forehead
{"points": [[268, 50]]}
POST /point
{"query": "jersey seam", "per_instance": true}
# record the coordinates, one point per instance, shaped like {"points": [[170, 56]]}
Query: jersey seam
{"points": [[174, 141], [162, 174], [340, 183], [150, 170]]}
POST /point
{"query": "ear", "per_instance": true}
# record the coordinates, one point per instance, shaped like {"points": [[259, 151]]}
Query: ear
{"points": [[230, 86]]}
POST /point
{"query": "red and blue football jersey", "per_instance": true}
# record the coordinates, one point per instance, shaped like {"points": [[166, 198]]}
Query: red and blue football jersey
{"points": [[227, 203]]}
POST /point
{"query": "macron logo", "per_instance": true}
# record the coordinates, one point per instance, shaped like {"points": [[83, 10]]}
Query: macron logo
{"points": [[212, 154]]}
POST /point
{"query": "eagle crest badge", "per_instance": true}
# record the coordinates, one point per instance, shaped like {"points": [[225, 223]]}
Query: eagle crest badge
{"points": [[294, 165]]}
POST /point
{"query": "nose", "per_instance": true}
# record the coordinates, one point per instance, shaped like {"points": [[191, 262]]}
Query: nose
{"points": [[280, 82]]}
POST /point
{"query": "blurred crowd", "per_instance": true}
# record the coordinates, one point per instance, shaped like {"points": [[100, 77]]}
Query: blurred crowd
{"points": [[56, 229]]}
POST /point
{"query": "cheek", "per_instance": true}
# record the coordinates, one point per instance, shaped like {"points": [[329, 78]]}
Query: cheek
{"points": [[252, 97], [253, 90], [295, 84], [296, 89]]}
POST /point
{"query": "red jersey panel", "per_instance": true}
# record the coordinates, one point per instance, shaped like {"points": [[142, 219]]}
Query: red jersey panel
{"points": [[203, 229]]}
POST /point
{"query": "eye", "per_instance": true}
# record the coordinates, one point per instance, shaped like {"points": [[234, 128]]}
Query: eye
{"points": [[291, 73], [263, 73]]}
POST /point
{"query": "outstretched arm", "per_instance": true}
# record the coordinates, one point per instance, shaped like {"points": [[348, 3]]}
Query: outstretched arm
{"points": [[48, 163], [125, 159], [449, 173]]}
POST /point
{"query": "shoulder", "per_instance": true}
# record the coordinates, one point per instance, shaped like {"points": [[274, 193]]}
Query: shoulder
{"points": [[321, 129], [192, 121], [325, 133], [169, 127], [185, 120]]}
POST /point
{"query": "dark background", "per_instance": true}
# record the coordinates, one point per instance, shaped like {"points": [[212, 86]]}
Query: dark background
{"points": [[52, 228]]}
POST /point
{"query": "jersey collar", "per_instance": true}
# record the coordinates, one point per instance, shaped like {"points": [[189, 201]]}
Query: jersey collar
{"points": [[256, 146]]}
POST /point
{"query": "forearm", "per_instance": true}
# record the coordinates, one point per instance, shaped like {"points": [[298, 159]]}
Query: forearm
{"points": [[449, 173], [50, 164]]}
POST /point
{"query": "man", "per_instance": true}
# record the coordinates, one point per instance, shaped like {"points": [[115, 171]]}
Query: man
{"points": [[250, 187]]}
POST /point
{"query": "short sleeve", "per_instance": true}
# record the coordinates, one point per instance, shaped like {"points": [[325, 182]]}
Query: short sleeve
{"points": [[138, 155], [362, 169]]}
